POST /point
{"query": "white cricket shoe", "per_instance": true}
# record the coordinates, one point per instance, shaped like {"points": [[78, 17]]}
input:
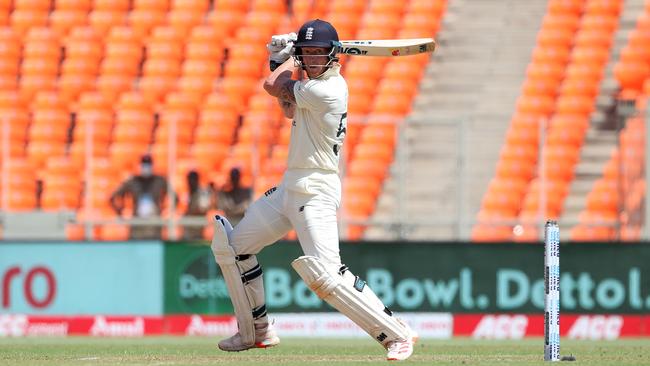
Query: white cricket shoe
{"points": [[265, 336], [401, 350]]}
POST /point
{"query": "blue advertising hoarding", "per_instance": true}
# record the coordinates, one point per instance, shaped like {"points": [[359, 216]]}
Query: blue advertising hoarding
{"points": [[81, 278]]}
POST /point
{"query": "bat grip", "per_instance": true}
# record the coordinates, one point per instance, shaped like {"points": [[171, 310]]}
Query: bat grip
{"points": [[273, 65]]}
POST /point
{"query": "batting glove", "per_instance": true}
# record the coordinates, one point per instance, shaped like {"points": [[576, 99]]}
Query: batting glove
{"points": [[280, 48]]}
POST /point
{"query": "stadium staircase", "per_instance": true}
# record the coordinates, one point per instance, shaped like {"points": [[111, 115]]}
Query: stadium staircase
{"points": [[473, 79]]}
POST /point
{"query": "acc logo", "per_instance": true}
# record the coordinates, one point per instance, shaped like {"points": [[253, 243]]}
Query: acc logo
{"points": [[352, 51], [501, 327], [395, 52], [596, 327]]}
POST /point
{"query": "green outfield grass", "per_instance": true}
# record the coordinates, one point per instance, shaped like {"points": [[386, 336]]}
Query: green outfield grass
{"points": [[202, 351]]}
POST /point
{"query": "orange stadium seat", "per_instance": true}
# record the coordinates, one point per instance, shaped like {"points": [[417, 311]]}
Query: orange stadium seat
{"points": [[72, 85], [593, 38], [8, 82], [539, 87], [112, 5], [603, 7], [79, 66], [198, 5], [346, 24], [39, 66], [124, 155], [62, 20], [183, 20], [490, 233], [205, 51], [558, 55], [77, 151], [22, 20], [127, 132], [31, 84], [198, 86], [595, 21], [133, 101], [208, 34], [633, 54], [81, 5], [51, 117], [200, 67], [11, 40], [44, 5], [631, 75], [154, 5], [263, 19], [48, 132], [155, 87], [183, 136], [22, 199], [567, 21], [40, 33], [373, 151], [565, 7], [227, 19], [171, 50], [117, 66], [237, 5], [48, 100], [358, 205], [161, 67], [41, 50], [9, 66], [103, 20], [391, 104], [39, 151], [546, 71], [143, 20], [348, 6], [128, 51], [370, 168]]}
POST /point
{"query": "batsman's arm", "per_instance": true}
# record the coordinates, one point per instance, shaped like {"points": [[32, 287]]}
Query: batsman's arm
{"points": [[288, 108], [279, 84]]}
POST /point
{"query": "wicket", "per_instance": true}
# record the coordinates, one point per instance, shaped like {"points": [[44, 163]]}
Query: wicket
{"points": [[552, 291]]}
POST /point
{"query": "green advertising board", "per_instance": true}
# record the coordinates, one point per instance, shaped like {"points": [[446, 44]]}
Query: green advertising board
{"points": [[422, 277], [192, 281]]}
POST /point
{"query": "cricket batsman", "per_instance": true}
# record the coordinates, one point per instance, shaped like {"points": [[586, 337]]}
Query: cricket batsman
{"points": [[306, 200]]}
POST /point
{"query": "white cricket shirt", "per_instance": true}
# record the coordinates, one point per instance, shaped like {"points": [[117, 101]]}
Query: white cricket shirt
{"points": [[319, 122]]}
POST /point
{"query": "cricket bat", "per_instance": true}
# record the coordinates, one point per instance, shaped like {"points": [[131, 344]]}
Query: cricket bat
{"points": [[382, 47], [387, 47]]}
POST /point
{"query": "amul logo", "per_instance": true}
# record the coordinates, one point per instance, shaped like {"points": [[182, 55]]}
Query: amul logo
{"points": [[310, 33]]}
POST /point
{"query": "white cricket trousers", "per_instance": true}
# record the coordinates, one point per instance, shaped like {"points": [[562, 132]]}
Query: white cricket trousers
{"points": [[306, 200]]}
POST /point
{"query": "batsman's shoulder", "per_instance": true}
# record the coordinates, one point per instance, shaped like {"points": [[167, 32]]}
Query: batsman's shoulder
{"points": [[327, 89]]}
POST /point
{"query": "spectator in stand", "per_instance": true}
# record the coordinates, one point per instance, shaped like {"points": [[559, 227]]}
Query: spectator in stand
{"points": [[147, 192], [233, 199], [200, 200]]}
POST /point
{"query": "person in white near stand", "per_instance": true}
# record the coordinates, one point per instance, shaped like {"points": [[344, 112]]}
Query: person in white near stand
{"points": [[306, 200]]}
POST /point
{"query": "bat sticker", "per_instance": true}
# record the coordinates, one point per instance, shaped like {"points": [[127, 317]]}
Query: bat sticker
{"points": [[352, 51]]}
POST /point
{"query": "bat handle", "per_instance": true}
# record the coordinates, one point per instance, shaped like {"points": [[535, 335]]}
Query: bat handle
{"points": [[273, 65]]}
